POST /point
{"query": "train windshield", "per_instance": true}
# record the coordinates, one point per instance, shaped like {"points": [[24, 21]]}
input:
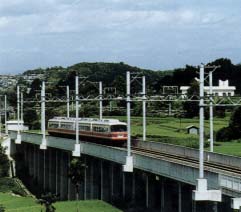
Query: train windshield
{"points": [[118, 128]]}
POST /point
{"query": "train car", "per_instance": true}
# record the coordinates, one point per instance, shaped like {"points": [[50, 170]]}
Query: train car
{"points": [[105, 131]]}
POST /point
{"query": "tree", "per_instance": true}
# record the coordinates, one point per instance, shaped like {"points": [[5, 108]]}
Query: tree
{"points": [[235, 119], [31, 118], [77, 173], [47, 200], [77, 170], [34, 88], [4, 163], [233, 131], [191, 109]]}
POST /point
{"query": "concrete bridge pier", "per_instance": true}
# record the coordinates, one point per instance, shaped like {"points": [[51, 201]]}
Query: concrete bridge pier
{"points": [[118, 189], [162, 195], [29, 159], [133, 188], [147, 191], [179, 197], [95, 175], [128, 188], [63, 175], [91, 172], [57, 172], [88, 178], [35, 155], [50, 170], [41, 170], [123, 186], [71, 186], [111, 180], [106, 180], [45, 170], [39, 167]]}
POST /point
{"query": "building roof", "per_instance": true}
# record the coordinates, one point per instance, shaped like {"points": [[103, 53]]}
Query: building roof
{"points": [[222, 85], [191, 126]]}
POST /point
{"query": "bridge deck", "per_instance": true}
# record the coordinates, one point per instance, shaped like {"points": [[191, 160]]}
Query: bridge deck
{"points": [[177, 169]]}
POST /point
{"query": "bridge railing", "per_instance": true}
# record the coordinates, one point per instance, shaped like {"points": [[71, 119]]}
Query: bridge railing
{"points": [[223, 159]]}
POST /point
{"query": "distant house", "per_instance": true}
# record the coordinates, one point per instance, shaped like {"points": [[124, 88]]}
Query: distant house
{"points": [[192, 130], [223, 89], [13, 125]]}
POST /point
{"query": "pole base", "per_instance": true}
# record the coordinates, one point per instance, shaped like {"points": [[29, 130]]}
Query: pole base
{"points": [[77, 150], [43, 145], [18, 139], [236, 203], [203, 194], [128, 167]]}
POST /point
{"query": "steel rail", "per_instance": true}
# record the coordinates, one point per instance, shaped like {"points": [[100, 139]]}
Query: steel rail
{"points": [[159, 154]]}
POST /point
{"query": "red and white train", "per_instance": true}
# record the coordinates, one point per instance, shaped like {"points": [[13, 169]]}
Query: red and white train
{"points": [[105, 131]]}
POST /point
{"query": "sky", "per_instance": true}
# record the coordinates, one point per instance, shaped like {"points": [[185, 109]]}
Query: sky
{"points": [[152, 34]]}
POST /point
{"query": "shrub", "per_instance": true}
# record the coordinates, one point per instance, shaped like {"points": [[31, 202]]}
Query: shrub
{"points": [[225, 134], [2, 208], [220, 113]]}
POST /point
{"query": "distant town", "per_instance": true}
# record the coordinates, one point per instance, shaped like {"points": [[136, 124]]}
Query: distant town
{"points": [[7, 81]]}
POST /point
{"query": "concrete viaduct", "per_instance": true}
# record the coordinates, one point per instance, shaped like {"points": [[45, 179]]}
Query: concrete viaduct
{"points": [[157, 183]]}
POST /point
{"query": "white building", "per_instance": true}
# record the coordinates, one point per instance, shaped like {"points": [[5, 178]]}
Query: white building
{"points": [[13, 125], [223, 89]]}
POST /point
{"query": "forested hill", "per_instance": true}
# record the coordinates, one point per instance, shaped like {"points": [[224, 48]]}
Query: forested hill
{"points": [[113, 74]]}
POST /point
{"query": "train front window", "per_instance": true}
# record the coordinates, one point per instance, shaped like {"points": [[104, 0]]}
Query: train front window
{"points": [[118, 128]]}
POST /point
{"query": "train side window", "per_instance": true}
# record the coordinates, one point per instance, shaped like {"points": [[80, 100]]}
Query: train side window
{"points": [[84, 128], [106, 129], [95, 129], [100, 129], [68, 126], [53, 125]]}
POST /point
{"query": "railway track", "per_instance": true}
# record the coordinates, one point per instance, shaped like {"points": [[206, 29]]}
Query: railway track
{"points": [[183, 159]]}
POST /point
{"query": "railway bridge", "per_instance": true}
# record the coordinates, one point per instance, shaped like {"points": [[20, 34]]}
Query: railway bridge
{"points": [[163, 179]]}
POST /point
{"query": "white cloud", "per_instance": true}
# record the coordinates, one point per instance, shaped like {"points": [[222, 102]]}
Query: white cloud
{"points": [[73, 19], [3, 22], [118, 28]]}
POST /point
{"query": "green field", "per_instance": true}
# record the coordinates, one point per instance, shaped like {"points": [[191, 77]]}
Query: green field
{"points": [[16, 203], [163, 126], [12, 199], [172, 130], [85, 206], [229, 148], [12, 202]]}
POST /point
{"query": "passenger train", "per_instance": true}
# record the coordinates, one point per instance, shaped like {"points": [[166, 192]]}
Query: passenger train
{"points": [[105, 131]]}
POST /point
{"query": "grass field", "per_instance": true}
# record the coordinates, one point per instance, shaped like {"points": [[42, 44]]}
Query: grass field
{"points": [[15, 203], [85, 206], [229, 148], [11, 201], [23, 204], [172, 130], [167, 125]]}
